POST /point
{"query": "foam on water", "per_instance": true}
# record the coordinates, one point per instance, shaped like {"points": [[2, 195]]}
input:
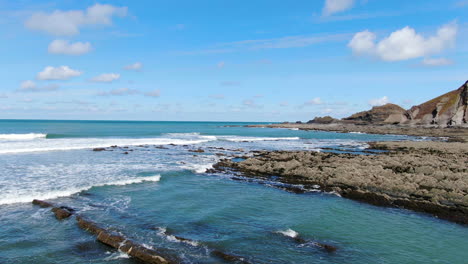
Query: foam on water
{"points": [[288, 232], [28, 136], [42, 144], [25, 196], [252, 139]]}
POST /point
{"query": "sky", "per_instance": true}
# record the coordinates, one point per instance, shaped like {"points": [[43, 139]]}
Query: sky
{"points": [[210, 60]]}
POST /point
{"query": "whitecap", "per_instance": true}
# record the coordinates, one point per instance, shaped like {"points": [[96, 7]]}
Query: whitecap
{"points": [[28, 136], [288, 232]]}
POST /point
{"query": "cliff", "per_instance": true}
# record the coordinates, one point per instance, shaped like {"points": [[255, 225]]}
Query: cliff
{"points": [[449, 109]]}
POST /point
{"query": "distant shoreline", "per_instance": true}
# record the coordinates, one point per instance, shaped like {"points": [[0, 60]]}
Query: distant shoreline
{"points": [[456, 134]]}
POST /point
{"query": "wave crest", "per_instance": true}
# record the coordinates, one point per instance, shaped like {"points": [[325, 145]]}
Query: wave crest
{"points": [[27, 136]]}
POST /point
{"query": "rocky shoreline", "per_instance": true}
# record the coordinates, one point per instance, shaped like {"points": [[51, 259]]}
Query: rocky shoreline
{"points": [[427, 176], [458, 134]]}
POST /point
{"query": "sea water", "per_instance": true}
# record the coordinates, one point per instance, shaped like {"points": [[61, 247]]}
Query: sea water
{"points": [[161, 185]]}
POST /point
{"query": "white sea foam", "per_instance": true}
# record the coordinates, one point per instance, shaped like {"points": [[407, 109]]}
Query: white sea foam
{"points": [[42, 144], [117, 255], [288, 232], [252, 139], [28, 136], [25, 197]]}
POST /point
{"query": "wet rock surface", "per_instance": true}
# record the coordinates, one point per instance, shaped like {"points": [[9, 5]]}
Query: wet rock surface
{"points": [[429, 177], [60, 212], [120, 242]]}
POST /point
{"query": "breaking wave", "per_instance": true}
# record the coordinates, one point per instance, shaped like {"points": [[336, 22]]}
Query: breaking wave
{"points": [[20, 197], [28, 136]]}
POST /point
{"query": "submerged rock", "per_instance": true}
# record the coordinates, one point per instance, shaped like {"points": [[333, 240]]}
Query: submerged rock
{"points": [[228, 257], [41, 203], [120, 242]]}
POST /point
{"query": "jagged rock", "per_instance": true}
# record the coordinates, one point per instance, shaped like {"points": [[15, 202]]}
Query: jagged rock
{"points": [[61, 213], [323, 120], [450, 109], [122, 243]]}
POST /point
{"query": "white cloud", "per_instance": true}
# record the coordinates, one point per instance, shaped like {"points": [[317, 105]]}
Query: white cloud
{"points": [[134, 67], [57, 73], [379, 101], [119, 92], [154, 93], [315, 101], [59, 46], [404, 44], [436, 62], [68, 23], [106, 77], [335, 6], [25, 85], [30, 86]]}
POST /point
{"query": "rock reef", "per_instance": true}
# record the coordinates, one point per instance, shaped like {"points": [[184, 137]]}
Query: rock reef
{"points": [[429, 177]]}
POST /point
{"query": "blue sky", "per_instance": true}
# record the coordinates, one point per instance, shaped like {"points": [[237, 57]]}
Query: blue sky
{"points": [[226, 60]]}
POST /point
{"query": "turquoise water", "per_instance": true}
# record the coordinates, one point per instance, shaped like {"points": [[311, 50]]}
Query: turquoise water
{"points": [[152, 189]]}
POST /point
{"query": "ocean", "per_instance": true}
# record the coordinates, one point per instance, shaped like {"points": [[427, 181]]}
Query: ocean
{"points": [[162, 185]]}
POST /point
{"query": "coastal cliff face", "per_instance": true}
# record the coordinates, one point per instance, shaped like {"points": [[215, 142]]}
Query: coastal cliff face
{"points": [[449, 109]]}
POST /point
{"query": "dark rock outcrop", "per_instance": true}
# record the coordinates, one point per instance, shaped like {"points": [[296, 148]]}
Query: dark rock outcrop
{"points": [[99, 149], [60, 212], [117, 241], [323, 120], [228, 257], [197, 150]]}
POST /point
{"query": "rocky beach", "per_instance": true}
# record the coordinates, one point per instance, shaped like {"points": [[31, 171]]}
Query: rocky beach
{"points": [[428, 176], [425, 176]]}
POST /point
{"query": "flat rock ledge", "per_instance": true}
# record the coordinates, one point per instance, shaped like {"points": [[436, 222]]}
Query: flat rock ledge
{"points": [[428, 177]]}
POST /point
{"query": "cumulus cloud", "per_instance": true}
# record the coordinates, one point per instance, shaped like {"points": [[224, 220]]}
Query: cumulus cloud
{"points": [[154, 93], [434, 62], [335, 6], [106, 77], [379, 101], [404, 44], [134, 67], [68, 23], [57, 73], [119, 92], [59, 46], [315, 101]]}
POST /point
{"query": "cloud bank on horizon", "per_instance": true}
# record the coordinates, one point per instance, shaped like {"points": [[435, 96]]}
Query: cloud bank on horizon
{"points": [[122, 61]]}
